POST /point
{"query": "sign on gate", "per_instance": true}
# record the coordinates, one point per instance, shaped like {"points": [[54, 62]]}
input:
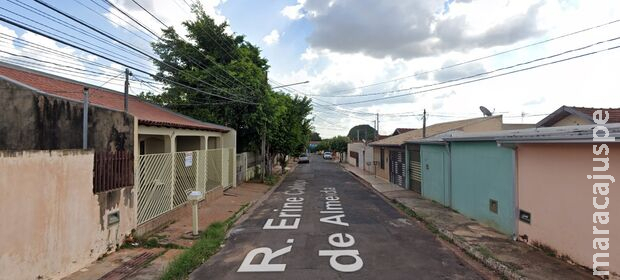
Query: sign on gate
{"points": [[189, 159]]}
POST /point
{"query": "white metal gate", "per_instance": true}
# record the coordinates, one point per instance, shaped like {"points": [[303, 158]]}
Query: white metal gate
{"points": [[165, 180]]}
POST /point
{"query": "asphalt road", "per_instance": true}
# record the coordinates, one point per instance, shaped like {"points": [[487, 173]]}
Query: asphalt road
{"points": [[326, 225]]}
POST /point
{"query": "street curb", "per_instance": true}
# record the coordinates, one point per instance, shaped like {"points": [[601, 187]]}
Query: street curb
{"points": [[470, 250], [255, 203]]}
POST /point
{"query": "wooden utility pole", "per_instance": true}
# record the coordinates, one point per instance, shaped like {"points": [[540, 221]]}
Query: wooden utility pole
{"points": [[378, 125], [424, 124]]}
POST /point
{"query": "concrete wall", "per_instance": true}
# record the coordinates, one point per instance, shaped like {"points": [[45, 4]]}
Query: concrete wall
{"points": [[435, 173], [482, 171], [36, 121], [52, 223], [366, 155], [572, 120], [385, 172], [553, 187]]}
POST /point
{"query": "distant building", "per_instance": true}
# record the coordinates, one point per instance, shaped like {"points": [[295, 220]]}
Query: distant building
{"points": [[400, 164], [401, 130], [566, 115]]}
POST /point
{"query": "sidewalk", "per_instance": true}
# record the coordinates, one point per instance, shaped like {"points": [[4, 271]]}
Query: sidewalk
{"points": [[511, 259], [169, 242]]}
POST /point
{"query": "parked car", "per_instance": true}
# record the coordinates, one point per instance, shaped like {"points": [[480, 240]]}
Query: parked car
{"points": [[327, 155], [303, 158]]}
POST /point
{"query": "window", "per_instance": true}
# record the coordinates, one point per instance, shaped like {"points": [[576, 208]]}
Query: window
{"points": [[382, 165]]}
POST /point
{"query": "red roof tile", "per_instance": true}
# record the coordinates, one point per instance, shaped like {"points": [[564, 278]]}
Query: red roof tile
{"points": [[147, 113], [614, 113]]}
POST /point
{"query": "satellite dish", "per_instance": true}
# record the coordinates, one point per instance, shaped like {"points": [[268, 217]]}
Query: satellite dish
{"points": [[485, 111]]}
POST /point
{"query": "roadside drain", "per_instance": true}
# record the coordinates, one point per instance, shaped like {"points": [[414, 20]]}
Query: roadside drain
{"points": [[130, 267]]}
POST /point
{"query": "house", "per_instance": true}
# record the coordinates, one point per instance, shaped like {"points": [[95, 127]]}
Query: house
{"points": [[360, 155], [555, 196], [530, 183], [133, 174], [400, 163], [567, 115], [401, 131]]}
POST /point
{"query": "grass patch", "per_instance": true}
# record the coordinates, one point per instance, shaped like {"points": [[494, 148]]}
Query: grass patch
{"points": [[205, 247], [545, 248], [271, 180]]}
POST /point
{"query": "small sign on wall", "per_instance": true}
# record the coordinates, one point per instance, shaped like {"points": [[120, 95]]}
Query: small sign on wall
{"points": [[189, 159]]}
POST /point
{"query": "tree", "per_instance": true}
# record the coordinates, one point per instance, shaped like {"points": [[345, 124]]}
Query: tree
{"points": [[315, 136], [222, 64], [290, 131], [362, 132], [336, 144], [233, 89]]}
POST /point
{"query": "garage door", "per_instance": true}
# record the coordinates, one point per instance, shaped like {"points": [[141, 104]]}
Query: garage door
{"points": [[415, 172], [397, 168]]}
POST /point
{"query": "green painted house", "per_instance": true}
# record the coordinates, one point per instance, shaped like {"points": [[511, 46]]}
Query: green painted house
{"points": [[473, 176]]}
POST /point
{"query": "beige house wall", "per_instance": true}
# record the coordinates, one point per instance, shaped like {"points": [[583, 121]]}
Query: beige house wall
{"points": [[53, 224], [360, 148], [385, 172], [491, 124], [572, 120], [553, 187]]}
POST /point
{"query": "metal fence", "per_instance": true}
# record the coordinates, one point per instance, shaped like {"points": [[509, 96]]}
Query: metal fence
{"points": [[165, 180], [112, 171]]}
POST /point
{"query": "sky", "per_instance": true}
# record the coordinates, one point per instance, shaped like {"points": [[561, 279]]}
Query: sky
{"points": [[363, 57]]}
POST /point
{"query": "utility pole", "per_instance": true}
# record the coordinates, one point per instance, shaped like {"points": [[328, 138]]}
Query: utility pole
{"points": [[378, 125], [85, 121], [424, 124], [127, 74]]}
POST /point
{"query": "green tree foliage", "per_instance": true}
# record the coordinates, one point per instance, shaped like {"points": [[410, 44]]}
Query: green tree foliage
{"points": [[226, 65], [218, 63], [336, 144], [364, 131], [290, 129], [315, 136]]}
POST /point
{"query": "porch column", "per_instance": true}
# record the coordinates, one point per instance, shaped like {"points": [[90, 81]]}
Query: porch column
{"points": [[173, 150]]}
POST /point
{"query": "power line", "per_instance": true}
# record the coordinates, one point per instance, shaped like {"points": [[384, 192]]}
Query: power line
{"points": [[188, 57], [484, 78], [121, 42], [111, 59], [128, 16], [481, 58]]}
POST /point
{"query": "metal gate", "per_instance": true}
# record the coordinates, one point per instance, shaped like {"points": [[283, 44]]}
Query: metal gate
{"points": [[415, 170], [397, 168], [166, 179]]}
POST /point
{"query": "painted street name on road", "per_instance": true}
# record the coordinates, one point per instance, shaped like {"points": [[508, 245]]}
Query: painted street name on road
{"points": [[290, 211], [343, 241]]}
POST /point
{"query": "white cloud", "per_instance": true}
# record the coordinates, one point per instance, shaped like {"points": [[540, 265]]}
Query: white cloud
{"points": [[294, 12], [272, 38], [581, 82]]}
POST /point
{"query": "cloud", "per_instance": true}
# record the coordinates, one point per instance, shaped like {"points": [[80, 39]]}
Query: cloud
{"points": [[272, 38], [461, 71], [411, 29], [294, 12]]}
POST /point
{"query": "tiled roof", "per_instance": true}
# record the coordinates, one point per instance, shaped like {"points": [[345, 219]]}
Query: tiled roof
{"points": [[432, 130], [614, 113], [558, 133], [146, 113], [583, 112], [402, 130]]}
